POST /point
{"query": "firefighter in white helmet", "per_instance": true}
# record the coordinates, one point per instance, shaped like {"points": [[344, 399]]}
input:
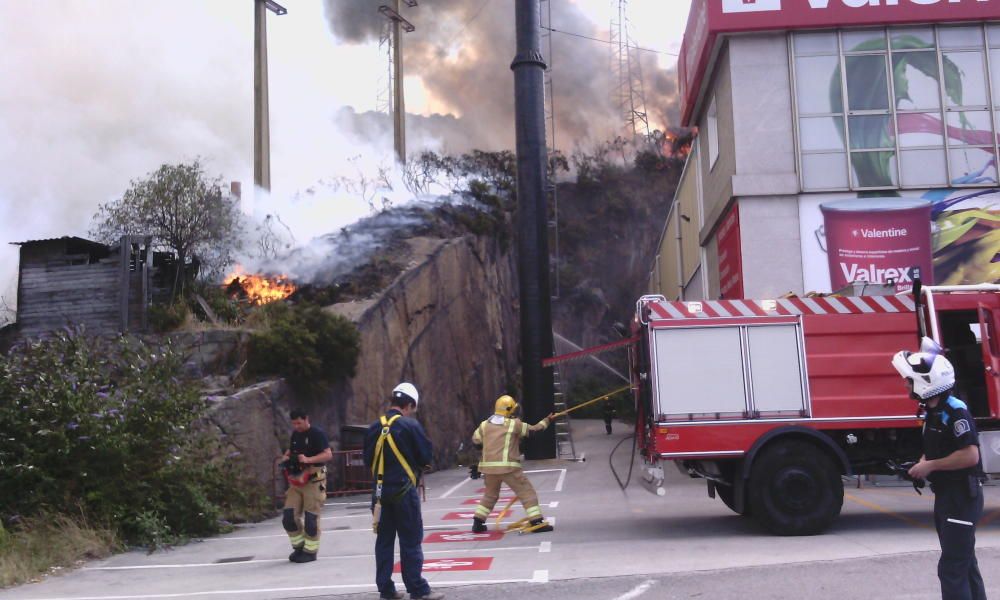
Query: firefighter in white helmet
{"points": [[951, 463], [499, 437]]}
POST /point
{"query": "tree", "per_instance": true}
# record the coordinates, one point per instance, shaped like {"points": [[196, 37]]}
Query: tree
{"points": [[184, 211]]}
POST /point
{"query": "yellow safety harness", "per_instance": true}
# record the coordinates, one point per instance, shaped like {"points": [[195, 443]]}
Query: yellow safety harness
{"points": [[378, 466]]}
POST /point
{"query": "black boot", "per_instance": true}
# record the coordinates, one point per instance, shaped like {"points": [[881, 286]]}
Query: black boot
{"points": [[478, 525], [294, 556], [305, 557], [544, 529]]}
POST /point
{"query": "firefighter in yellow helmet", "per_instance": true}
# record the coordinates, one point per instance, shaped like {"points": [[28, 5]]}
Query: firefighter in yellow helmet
{"points": [[499, 437]]}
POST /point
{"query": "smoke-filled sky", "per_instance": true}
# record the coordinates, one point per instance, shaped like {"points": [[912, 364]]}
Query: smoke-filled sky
{"points": [[95, 93]]}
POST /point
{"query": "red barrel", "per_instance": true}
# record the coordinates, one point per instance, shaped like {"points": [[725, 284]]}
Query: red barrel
{"points": [[878, 239]]}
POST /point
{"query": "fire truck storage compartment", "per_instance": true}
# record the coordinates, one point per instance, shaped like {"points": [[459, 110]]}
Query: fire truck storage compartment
{"points": [[737, 371]]}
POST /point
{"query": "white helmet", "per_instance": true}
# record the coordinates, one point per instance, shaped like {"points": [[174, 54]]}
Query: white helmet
{"points": [[406, 390], [930, 372]]}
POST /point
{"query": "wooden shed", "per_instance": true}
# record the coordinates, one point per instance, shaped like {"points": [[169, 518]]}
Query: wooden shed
{"points": [[75, 281]]}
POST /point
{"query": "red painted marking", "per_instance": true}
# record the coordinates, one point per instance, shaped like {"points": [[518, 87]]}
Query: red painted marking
{"points": [[500, 501], [457, 516], [440, 537], [471, 563]]}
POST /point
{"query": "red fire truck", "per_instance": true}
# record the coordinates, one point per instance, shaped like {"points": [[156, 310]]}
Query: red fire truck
{"points": [[773, 401]]}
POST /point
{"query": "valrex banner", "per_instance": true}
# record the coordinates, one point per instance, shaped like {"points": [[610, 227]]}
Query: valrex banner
{"points": [[946, 236], [710, 19]]}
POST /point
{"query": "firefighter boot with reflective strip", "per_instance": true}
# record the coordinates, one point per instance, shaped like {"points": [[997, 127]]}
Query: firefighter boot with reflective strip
{"points": [[538, 525], [478, 525]]}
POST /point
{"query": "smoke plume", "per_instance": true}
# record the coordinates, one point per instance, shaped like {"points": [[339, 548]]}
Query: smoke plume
{"points": [[462, 49]]}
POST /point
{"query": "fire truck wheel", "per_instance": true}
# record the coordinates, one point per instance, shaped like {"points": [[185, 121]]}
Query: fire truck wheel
{"points": [[795, 489]]}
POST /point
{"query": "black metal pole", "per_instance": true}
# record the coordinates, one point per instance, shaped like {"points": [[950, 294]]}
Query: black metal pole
{"points": [[532, 216]]}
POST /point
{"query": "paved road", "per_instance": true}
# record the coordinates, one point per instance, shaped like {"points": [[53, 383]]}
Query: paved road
{"points": [[607, 545]]}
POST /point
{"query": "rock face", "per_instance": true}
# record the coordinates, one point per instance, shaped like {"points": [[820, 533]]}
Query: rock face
{"points": [[449, 325], [252, 424]]}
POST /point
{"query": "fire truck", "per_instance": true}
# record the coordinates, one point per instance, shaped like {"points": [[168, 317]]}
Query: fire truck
{"points": [[774, 402]]}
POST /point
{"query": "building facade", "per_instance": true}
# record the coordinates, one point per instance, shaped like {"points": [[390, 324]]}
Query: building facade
{"points": [[841, 143]]}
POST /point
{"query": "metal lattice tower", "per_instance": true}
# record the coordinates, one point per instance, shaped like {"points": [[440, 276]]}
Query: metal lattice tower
{"points": [[628, 95], [545, 14], [383, 99]]}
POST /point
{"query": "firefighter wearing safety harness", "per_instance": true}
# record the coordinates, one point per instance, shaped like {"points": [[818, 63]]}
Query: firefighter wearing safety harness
{"points": [[951, 463], [304, 468], [500, 436], [397, 451]]}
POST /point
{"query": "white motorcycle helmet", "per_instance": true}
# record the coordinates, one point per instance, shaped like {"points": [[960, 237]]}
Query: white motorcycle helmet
{"points": [[930, 372], [406, 390]]}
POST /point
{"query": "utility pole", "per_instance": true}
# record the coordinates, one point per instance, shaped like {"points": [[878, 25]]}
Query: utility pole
{"points": [[261, 114], [399, 24], [533, 253]]}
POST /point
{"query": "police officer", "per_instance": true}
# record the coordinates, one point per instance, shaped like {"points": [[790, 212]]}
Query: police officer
{"points": [[305, 470], [500, 437], [952, 464], [397, 451]]}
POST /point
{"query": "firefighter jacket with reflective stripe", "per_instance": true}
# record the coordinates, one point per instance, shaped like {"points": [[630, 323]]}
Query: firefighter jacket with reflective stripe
{"points": [[500, 437], [412, 442]]}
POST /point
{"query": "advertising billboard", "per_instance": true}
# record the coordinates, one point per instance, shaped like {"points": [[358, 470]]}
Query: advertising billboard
{"points": [[727, 240], [947, 236]]}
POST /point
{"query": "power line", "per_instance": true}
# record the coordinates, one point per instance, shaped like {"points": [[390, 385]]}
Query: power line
{"points": [[587, 37]]}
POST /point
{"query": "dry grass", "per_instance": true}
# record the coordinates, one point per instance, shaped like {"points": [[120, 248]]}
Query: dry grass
{"points": [[45, 545]]}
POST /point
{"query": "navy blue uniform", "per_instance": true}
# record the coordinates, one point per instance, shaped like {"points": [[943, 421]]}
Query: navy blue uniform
{"points": [[958, 500], [400, 504]]}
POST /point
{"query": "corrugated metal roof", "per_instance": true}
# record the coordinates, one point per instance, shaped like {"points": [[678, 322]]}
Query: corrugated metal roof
{"points": [[71, 238]]}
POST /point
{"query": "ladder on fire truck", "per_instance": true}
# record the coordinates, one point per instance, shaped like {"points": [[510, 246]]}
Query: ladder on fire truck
{"points": [[565, 448]]}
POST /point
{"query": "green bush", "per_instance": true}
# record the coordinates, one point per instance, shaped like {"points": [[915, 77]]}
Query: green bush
{"points": [[107, 429], [305, 345], [167, 318]]}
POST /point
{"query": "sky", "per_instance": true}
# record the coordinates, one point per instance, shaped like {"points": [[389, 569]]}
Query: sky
{"points": [[97, 93]]}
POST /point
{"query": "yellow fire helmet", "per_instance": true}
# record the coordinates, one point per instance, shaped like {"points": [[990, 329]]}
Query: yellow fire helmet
{"points": [[505, 406]]}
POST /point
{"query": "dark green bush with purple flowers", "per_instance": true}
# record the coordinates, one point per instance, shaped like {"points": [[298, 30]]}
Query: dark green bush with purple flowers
{"points": [[106, 429]]}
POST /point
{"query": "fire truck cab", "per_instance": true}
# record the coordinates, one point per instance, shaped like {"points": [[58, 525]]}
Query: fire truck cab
{"points": [[773, 402]]}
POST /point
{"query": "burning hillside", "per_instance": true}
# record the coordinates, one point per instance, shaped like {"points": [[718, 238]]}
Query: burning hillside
{"points": [[258, 289]]}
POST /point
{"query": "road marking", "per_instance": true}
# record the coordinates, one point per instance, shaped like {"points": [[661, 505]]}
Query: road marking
{"points": [[447, 565], [886, 511], [271, 560], [638, 590], [989, 518], [554, 504], [325, 532], [562, 476], [455, 487], [545, 547], [537, 577], [465, 536]]}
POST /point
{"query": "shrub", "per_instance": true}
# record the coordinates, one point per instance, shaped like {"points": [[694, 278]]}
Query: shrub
{"points": [[108, 428], [167, 318], [305, 345]]}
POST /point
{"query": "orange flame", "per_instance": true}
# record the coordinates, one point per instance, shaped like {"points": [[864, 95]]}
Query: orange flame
{"points": [[261, 289]]}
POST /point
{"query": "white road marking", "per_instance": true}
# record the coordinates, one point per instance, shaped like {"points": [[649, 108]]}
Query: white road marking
{"points": [[425, 511], [271, 560], [453, 488], [325, 532], [545, 547], [638, 590], [537, 577], [552, 521]]}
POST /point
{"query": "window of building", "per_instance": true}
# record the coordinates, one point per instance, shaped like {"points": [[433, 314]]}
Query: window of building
{"points": [[712, 124], [897, 107]]}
